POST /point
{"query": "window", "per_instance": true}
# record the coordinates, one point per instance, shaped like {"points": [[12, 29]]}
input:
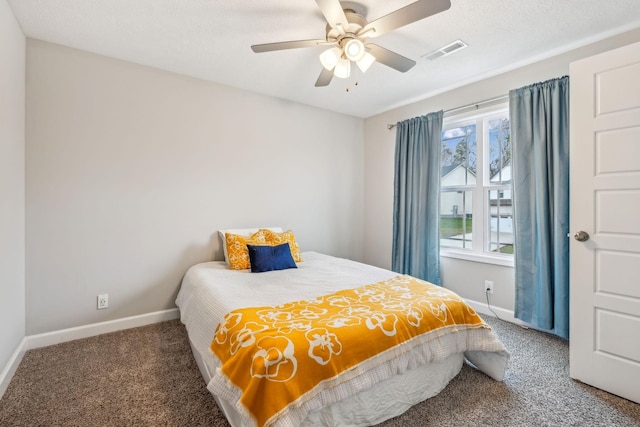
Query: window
{"points": [[476, 219]]}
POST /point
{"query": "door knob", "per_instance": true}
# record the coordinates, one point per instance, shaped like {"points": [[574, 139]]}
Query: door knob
{"points": [[581, 236]]}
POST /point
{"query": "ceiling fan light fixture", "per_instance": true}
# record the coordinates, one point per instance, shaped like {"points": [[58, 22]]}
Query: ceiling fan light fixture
{"points": [[342, 69], [365, 62], [354, 49], [346, 32], [330, 57]]}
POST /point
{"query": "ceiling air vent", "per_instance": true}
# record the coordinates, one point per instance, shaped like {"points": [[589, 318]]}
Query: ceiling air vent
{"points": [[445, 50]]}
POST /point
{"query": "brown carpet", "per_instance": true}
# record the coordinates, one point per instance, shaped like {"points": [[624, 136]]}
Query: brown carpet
{"points": [[138, 377], [147, 377]]}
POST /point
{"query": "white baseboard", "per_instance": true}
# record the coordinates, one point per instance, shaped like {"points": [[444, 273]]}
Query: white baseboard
{"points": [[11, 367], [56, 337], [93, 329], [501, 313], [483, 309]]}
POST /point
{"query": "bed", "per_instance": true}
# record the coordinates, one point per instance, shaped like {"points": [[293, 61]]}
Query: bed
{"points": [[367, 392]]}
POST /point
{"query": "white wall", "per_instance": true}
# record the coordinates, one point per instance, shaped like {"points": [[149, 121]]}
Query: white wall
{"points": [[12, 170], [132, 170], [464, 277]]}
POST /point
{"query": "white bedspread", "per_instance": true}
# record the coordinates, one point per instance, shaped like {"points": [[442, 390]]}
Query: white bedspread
{"points": [[210, 290]]}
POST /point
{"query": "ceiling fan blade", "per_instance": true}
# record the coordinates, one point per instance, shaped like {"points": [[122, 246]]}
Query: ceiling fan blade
{"points": [[324, 78], [404, 16], [391, 59], [269, 47], [333, 13]]}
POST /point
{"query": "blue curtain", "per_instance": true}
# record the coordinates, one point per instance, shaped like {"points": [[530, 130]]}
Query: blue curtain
{"points": [[539, 116], [416, 202]]}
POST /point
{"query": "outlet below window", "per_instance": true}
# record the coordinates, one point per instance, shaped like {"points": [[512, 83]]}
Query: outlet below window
{"points": [[488, 286]]}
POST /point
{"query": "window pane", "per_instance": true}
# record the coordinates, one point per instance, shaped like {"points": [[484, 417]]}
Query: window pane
{"points": [[459, 156], [499, 151], [500, 221], [456, 219]]}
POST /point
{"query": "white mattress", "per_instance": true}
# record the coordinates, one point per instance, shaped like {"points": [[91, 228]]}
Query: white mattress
{"points": [[210, 290]]}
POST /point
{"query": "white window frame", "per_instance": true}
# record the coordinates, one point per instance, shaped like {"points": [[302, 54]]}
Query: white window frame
{"points": [[479, 191]]}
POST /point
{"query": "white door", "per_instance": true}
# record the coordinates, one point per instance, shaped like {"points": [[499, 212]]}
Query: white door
{"points": [[605, 203]]}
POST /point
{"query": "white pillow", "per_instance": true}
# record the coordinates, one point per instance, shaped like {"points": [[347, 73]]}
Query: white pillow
{"points": [[245, 232]]}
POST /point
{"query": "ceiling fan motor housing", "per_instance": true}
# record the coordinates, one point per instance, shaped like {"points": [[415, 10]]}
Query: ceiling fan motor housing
{"points": [[340, 35]]}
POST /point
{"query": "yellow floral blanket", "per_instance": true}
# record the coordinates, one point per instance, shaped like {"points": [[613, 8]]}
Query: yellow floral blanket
{"points": [[277, 355]]}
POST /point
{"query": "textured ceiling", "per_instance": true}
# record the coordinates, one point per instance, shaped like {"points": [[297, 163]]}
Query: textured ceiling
{"points": [[211, 39]]}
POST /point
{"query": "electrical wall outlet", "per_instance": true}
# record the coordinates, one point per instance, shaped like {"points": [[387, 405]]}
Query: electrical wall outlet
{"points": [[103, 301], [488, 286]]}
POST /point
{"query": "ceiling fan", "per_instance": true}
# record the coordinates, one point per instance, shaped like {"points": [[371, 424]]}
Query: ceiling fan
{"points": [[347, 33]]}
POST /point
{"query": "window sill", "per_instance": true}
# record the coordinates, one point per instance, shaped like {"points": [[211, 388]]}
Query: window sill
{"points": [[503, 260]]}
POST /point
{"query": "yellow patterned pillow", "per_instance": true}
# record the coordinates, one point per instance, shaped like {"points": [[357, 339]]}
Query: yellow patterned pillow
{"points": [[274, 239], [237, 248]]}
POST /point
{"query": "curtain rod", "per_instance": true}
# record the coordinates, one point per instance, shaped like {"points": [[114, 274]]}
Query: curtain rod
{"points": [[475, 104]]}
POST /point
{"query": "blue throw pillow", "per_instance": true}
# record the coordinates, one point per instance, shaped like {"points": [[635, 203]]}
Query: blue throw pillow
{"points": [[270, 258]]}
